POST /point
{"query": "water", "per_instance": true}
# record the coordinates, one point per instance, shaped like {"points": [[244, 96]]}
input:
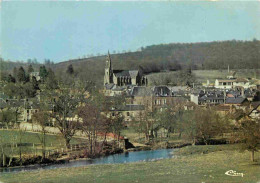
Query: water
{"points": [[136, 156]]}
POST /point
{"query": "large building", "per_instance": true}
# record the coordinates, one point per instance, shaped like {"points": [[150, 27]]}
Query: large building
{"points": [[122, 77], [232, 83]]}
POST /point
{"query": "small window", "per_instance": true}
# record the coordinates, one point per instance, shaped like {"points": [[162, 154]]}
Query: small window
{"points": [[113, 114], [128, 113]]}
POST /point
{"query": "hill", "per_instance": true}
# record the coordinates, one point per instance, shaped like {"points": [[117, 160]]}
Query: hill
{"points": [[155, 58], [174, 56]]}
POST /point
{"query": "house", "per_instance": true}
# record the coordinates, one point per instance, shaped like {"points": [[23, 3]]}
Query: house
{"points": [[154, 98], [236, 100], [232, 83], [129, 111], [204, 97]]}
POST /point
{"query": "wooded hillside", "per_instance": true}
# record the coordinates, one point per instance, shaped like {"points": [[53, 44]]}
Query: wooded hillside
{"points": [[174, 56]]}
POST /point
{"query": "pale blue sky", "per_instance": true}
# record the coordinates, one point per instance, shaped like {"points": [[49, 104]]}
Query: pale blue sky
{"points": [[66, 30]]}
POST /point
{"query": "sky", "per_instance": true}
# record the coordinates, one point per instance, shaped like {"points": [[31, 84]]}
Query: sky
{"points": [[67, 30]]}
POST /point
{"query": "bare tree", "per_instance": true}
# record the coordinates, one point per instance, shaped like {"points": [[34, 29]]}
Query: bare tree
{"points": [[64, 113], [201, 125], [43, 119], [92, 124]]}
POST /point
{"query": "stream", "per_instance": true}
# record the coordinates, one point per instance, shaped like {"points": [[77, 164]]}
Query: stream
{"points": [[136, 156]]}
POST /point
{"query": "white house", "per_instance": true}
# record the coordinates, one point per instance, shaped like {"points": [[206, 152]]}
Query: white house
{"points": [[232, 83]]}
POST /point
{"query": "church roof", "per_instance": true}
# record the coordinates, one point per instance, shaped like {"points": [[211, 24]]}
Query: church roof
{"points": [[125, 73]]}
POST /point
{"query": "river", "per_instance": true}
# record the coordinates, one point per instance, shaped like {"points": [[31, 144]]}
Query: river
{"points": [[136, 156]]}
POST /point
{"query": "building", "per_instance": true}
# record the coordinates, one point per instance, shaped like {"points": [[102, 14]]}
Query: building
{"points": [[232, 83], [156, 97], [210, 97], [129, 111], [122, 77]]}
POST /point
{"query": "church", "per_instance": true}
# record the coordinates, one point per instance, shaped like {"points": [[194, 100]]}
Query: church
{"points": [[123, 77]]}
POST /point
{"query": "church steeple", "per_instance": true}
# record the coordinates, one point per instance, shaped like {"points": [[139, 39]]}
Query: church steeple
{"points": [[108, 78], [108, 61]]}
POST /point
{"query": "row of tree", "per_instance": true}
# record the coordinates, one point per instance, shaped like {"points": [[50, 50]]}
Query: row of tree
{"points": [[198, 126], [21, 85], [71, 112]]}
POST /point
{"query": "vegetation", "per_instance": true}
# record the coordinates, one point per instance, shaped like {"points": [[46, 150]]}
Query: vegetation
{"points": [[249, 135], [208, 164], [156, 58], [74, 105]]}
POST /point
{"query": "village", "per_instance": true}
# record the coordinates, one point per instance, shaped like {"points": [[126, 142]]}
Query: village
{"points": [[129, 92], [226, 95], [133, 103]]}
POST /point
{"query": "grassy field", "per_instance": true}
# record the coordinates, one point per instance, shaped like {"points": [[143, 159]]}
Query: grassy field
{"points": [[29, 138], [137, 138], [205, 164], [211, 75]]}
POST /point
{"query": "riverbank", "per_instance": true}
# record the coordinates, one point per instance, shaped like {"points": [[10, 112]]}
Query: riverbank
{"points": [[192, 164]]}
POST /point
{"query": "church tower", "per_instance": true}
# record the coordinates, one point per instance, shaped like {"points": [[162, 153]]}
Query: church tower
{"points": [[108, 78]]}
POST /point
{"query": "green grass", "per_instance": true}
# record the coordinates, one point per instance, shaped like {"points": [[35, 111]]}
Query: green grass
{"points": [[198, 167], [135, 137], [14, 136]]}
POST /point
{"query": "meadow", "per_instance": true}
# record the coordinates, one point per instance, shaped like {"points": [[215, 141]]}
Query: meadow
{"points": [[201, 76], [190, 164], [30, 141]]}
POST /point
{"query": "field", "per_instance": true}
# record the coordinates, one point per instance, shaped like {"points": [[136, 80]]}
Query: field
{"points": [[27, 140], [211, 75], [191, 164]]}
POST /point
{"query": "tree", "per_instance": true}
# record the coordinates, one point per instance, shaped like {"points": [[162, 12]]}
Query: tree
{"points": [[21, 75], [29, 90], [42, 118], [201, 125], [11, 90], [249, 135], [70, 70], [144, 120], [15, 73], [186, 126], [92, 124], [7, 117], [65, 109], [43, 72], [166, 119], [51, 82], [10, 79], [30, 69], [35, 83], [117, 124]]}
